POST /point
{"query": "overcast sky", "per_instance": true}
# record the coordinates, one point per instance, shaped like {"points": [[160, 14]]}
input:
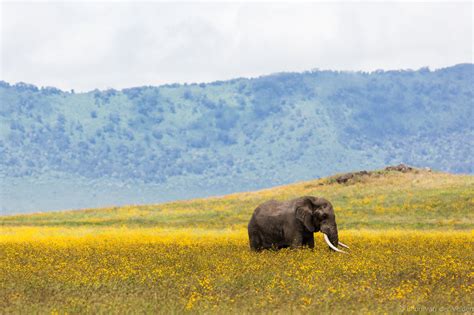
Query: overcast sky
{"points": [[90, 45]]}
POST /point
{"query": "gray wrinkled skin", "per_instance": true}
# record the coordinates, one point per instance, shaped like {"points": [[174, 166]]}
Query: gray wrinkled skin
{"points": [[276, 225]]}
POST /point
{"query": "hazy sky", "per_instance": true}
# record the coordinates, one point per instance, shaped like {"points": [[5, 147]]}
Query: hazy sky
{"points": [[116, 45]]}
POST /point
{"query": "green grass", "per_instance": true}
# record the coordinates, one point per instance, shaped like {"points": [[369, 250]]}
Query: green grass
{"points": [[386, 200]]}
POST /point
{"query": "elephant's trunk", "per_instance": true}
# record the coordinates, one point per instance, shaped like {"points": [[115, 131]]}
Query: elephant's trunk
{"points": [[331, 232], [331, 237]]}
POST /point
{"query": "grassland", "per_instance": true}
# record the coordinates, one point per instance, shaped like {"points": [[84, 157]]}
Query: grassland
{"points": [[385, 200], [411, 238]]}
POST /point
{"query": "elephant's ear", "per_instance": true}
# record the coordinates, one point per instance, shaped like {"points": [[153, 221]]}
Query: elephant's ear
{"points": [[305, 215]]}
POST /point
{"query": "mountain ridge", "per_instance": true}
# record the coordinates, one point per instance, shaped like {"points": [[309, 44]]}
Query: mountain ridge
{"points": [[236, 135], [217, 82]]}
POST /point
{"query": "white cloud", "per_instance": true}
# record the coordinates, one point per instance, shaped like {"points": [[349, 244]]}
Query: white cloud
{"points": [[121, 44]]}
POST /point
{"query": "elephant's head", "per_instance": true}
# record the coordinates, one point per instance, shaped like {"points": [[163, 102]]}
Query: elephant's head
{"points": [[317, 214]]}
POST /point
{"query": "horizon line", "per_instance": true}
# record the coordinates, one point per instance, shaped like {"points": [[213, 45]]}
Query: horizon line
{"points": [[177, 84]]}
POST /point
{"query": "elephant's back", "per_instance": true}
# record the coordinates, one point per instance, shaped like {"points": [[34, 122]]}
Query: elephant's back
{"points": [[268, 209]]}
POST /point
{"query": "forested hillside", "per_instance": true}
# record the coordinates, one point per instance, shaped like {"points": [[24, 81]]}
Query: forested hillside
{"points": [[241, 134]]}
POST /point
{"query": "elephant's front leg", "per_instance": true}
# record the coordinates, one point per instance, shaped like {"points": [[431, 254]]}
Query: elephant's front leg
{"points": [[297, 240], [308, 240]]}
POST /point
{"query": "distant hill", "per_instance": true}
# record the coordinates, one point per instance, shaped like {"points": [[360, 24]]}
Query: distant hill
{"points": [[380, 200], [203, 139]]}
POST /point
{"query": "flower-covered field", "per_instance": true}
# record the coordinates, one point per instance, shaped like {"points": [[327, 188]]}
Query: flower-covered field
{"points": [[168, 271], [411, 238]]}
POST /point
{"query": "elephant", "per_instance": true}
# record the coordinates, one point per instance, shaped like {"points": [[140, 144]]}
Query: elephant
{"points": [[276, 225]]}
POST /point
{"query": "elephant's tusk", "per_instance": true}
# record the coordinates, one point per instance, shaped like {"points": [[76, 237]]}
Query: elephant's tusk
{"points": [[343, 245], [326, 238]]}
